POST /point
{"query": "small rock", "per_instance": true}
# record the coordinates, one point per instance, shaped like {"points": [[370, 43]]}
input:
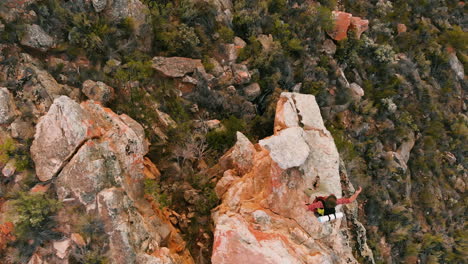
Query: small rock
{"points": [[213, 124], [61, 248], [356, 91], [450, 157], [98, 91], [231, 52], [456, 66], [260, 217], [266, 41], [329, 47], [240, 43], [217, 69], [359, 25], [99, 5], [191, 196], [190, 80], [22, 129], [252, 91], [7, 106], [36, 37], [460, 185], [9, 168], [36, 259], [241, 74], [40, 188], [401, 28]]}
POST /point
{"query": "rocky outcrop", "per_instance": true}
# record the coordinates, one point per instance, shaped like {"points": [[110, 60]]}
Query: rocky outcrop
{"points": [[345, 22], [96, 159], [263, 217], [35, 37]]}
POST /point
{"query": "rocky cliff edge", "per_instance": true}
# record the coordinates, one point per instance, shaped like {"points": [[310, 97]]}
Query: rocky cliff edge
{"points": [[264, 188]]}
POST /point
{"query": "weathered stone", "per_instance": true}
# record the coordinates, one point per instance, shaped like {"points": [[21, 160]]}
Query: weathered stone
{"points": [[213, 124], [231, 52], [359, 25], [98, 91], [356, 91], [22, 129], [266, 41], [36, 259], [175, 66], [401, 28], [35, 37], [252, 91], [9, 168], [456, 66], [287, 148], [406, 146], [99, 5], [217, 68], [342, 22], [61, 247], [241, 74], [329, 47], [240, 43], [7, 106]]}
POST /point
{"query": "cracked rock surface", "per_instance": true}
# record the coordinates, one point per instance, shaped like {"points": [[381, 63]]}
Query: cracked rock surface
{"points": [[263, 217], [95, 158]]}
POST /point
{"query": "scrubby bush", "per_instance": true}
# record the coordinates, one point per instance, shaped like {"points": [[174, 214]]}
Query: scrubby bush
{"points": [[33, 218], [220, 140], [153, 189]]}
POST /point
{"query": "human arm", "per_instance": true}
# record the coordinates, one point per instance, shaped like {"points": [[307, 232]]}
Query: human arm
{"points": [[313, 206], [350, 199]]}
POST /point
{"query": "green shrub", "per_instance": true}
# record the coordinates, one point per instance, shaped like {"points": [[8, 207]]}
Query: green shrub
{"points": [[33, 219], [226, 34], [153, 189], [222, 139]]}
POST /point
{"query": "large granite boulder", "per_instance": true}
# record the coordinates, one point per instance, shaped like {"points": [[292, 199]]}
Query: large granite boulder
{"points": [[262, 217], [96, 159]]}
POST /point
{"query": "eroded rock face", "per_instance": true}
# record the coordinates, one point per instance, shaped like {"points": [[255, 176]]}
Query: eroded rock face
{"points": [[36, 37], [262, 217], [96, 159]]}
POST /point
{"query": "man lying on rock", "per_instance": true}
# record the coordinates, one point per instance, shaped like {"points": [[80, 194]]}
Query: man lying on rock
{"points": [[324, 206]]}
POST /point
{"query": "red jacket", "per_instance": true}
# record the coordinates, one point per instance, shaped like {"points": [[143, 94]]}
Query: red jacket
{"points": [[313, 206]]}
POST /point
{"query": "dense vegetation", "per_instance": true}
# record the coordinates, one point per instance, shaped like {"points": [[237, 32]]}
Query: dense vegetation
{"points": [[410, 91]]}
